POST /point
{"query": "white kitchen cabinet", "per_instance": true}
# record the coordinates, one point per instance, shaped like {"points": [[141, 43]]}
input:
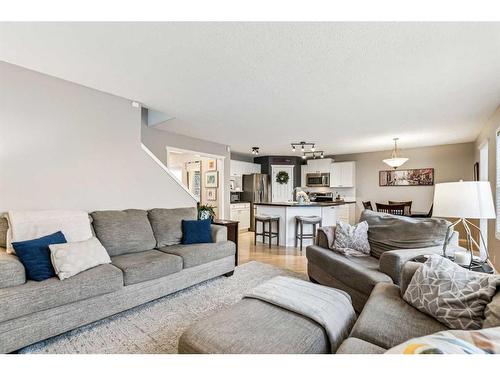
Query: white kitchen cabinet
{"points": [[319, 165], [342, 213], [343, 174], [239, 168], [241, 212]]}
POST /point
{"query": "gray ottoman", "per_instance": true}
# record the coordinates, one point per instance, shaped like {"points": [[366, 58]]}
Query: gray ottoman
{"points": [[252, 327]]}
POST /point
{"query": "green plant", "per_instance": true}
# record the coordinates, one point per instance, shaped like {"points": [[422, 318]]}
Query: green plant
{"points": [[282, 177], [206, 211]]}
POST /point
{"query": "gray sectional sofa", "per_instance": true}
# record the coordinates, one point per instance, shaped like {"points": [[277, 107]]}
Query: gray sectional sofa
{"points": [[394, 240], [148, 262], [386, 321]]}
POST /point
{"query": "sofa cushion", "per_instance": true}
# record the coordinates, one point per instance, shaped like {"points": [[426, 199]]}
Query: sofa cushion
{"points": [[387, 320], [393, 232], [12, 271], [122, 232], [352, 345], [196, 254], [267, 329], [4, 227], [360, 273], [492, 312], [166, 224], [34, 296], [146, 265]]}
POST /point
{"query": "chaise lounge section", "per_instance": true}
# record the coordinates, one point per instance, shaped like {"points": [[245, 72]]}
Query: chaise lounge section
{"points": [[148, 262]]}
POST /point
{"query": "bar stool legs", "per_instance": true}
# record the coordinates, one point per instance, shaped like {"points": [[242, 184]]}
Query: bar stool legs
{"points": [[269, 232], [299, 234]]}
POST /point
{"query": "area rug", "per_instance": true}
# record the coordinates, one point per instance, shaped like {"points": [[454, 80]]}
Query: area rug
{"points": [[155, 327]]}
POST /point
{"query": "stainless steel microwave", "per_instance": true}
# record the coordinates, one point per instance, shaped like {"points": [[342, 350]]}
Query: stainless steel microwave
{"points": [[318, 179]]}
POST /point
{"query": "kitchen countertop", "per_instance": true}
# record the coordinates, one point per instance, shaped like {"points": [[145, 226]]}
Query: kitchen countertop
{"points": [[312, 204]]}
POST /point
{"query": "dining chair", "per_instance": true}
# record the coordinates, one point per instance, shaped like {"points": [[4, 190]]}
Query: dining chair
{"points": [[393, 209], [407, 206], [368, 205]]}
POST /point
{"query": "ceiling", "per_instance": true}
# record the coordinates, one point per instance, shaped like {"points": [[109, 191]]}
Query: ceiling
{"points": [[350, 87]]}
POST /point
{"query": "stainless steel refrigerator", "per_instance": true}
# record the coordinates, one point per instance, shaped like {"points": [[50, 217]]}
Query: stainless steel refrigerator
{"points": [[255, 190]]}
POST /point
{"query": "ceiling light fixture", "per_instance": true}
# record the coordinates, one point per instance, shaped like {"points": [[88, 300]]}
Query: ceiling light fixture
{"points": [[255, 150], [303, 146], [395, 160]]}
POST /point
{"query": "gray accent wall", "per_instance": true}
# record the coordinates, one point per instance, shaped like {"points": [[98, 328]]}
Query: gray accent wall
{"points": [[65, 146]]}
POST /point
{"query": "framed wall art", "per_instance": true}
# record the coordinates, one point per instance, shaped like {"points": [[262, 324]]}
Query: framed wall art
{"points": [[407, 177], [212, 179]]}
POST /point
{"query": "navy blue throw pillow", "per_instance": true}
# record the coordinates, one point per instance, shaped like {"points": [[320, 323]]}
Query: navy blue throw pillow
{"points": [[35, 255], [196, 231]]}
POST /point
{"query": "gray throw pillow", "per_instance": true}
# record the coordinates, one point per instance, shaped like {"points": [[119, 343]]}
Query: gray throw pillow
{"points": [[451, 294], [352, 240]]}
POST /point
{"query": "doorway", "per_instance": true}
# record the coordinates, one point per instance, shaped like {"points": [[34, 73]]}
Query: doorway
{"points": [[483, 176], [281, 192], [201, 175]]}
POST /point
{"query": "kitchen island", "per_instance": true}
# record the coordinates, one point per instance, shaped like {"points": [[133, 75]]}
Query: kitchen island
{"points": [[330, 212]]}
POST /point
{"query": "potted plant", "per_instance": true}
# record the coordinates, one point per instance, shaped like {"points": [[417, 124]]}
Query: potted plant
{"points": [[206, 211]]}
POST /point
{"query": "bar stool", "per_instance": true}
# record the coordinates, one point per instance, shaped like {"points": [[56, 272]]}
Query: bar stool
{"points": [[300, 221], [269, 233]]}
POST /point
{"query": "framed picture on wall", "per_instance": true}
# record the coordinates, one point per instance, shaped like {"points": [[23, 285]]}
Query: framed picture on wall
{"points": [[212, 165], [211, 194], [407, 177], [212, 179]]}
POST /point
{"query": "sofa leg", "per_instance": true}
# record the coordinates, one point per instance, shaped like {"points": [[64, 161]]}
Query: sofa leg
{"points": [[229, 274], [312, 280]]}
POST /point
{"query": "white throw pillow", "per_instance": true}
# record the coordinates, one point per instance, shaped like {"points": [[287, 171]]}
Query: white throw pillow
{"points": [[352, 240], [69, 259]]}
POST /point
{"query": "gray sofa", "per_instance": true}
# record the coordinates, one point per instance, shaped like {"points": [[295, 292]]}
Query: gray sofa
{"points": [[394, 240], [386, 321], [148, 262]]}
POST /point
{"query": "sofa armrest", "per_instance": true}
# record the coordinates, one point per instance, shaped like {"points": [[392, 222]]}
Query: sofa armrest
{"points": [[12, 272], [392, 261], [219, 233], [407, 273]]}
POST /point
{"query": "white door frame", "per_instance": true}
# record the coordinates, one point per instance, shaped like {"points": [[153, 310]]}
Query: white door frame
{"points": [[282, 166], [222, 171]]}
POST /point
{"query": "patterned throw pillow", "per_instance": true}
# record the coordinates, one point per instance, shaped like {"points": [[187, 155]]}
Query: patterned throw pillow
{"points": [[451, 294], [352, 240], [485, 341]]}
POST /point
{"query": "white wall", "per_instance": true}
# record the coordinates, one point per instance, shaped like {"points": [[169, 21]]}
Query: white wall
{"points": [[450, 163], [157, 139], [66, 146]]}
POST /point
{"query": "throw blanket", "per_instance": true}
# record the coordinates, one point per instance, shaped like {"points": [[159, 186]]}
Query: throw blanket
{"points": [[391, 232], [330, 308], [27, 225]]}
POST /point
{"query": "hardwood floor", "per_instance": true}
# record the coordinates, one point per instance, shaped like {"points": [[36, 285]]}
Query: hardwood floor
{"points": [[280, 256]]}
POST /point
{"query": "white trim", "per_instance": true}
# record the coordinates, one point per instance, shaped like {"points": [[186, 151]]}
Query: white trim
{"points": [[164, 167]]}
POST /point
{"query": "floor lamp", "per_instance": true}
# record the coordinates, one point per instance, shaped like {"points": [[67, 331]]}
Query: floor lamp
{"points": [[466, 200]]}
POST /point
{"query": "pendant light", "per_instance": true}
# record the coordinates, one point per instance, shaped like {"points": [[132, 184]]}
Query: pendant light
{"points": [[395, 160]]}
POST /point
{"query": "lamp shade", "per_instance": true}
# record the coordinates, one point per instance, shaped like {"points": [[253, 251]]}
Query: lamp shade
{"points": [[464, 199]]}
